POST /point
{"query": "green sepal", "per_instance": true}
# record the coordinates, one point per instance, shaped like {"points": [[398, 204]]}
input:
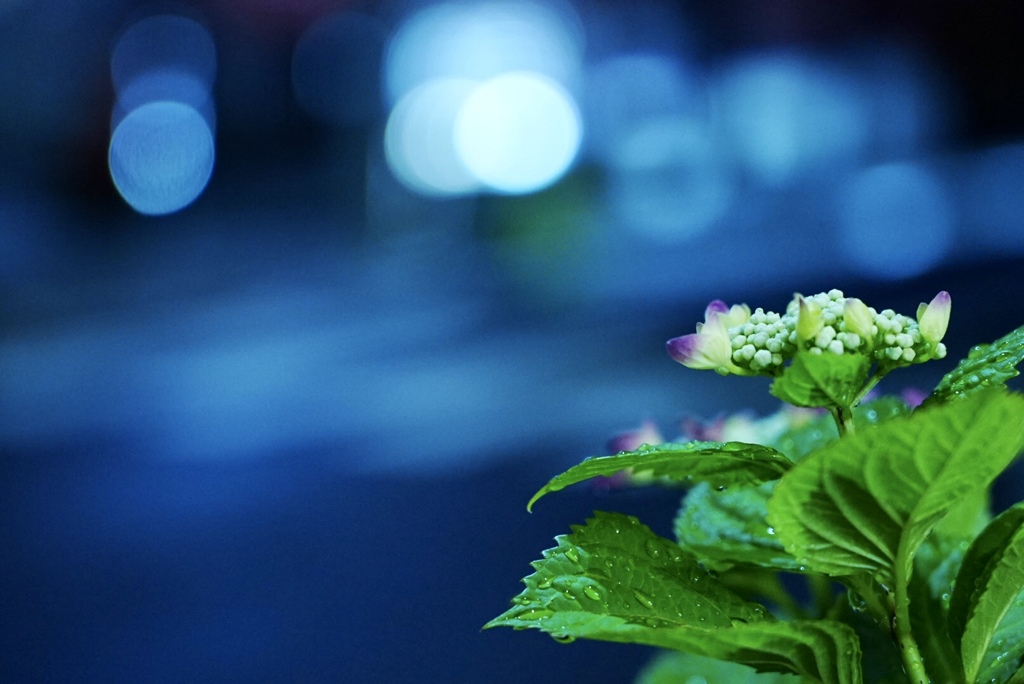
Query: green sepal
{"points": [[986, 365], [615, 580], [823, 380], [720, 464], [986, 614]]}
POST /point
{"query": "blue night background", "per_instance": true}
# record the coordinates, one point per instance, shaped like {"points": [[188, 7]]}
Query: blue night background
{"points": [[302, 300]]}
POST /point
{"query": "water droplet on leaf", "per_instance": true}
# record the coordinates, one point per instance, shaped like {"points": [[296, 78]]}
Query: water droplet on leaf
{"points": [[643, 599]]}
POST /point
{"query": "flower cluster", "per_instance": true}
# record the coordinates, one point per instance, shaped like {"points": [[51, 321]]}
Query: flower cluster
{"points": [[734, 340]]}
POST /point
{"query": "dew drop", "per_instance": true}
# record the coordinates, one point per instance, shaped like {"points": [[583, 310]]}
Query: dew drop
{"points": [[544, 583], [563, 638], [591, 593], [572, 554], [771, 530], [643, 599], [534, 614], [653, 549]]}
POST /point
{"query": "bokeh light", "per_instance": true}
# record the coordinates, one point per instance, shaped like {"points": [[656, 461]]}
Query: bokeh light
{"points": [[164, 85], [896, 220], [670, 181], [164, 43], [161, 157], [787, 115], [628, 90], [518, 132], [163, 121], [419, 141], [336, 69], [482, 41]]}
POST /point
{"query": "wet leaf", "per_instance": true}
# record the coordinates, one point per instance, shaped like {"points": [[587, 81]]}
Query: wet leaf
{"points": [[720, 464]]}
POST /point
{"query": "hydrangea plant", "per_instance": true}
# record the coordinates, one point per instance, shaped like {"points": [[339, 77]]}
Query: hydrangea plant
{"points": [[847, 539]]}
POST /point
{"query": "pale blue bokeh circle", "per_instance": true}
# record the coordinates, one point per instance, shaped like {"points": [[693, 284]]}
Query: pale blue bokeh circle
{"points": [[161, 157]]}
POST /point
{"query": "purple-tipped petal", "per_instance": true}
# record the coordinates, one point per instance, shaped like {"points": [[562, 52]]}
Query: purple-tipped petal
{"points": [[684, 349], [933, 318], [708, 350], [715, 308]]}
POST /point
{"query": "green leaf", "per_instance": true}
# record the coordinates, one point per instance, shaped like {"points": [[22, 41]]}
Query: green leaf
{"points": [[823, 380], [865, 503], [986, 365], [882, 663], [721, 464], [615, 580], [1017, 677], [730, 526], [935, 568], [928, 625], [938, 560], [986, 615], [1004, 656], [673, 667]]}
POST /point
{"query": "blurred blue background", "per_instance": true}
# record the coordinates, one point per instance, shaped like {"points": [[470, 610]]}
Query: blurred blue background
{"points": [[301, 300]]}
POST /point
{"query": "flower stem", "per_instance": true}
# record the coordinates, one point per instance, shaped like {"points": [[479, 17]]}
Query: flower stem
{"points": [[843, 415], [899, 607], [870, 384]]}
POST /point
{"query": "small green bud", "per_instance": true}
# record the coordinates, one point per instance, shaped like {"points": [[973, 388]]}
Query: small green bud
{"points": [[808, 322], [933, 318], [858, 318]]}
